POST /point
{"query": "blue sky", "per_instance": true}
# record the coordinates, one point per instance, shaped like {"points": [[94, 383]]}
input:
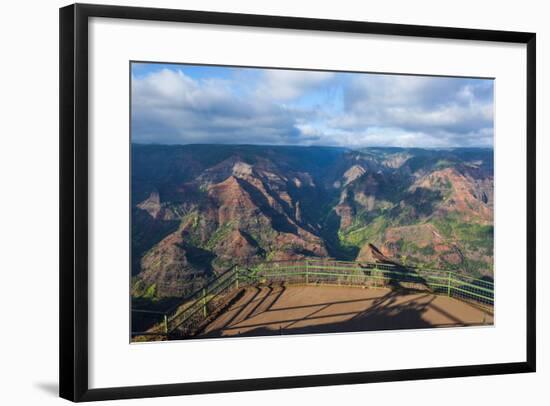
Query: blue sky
{"points": [[190, 104]]}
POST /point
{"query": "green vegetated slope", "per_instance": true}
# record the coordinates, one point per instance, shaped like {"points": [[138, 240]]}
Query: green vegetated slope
{"points": [[199, 209]]}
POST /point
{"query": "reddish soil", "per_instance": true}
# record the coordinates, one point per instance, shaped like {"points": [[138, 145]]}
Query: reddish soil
{"points": [[272, 310]]}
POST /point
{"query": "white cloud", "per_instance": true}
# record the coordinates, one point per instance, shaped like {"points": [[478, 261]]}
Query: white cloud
{"points": [[289, 84], [267, 107], [441, 107], [171, 107]]}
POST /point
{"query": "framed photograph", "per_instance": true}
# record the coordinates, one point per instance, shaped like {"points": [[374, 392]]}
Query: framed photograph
{"points": [[352, 201]]}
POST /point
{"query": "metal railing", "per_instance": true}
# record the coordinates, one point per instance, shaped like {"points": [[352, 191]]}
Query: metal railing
{"points": [[192, 310], [330, 272], [187, 317]]}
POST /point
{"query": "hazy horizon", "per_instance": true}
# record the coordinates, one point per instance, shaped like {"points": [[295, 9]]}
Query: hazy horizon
{"points": [[304, 146]]}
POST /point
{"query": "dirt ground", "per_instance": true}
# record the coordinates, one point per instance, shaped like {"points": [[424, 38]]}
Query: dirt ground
{"points": [[271, 310]]}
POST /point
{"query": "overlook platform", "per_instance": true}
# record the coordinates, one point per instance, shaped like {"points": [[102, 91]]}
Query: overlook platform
{"points": [[322, 296], [271, 310]]}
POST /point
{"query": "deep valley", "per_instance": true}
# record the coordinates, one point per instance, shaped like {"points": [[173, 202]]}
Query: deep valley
{"points": [[199, 209]]}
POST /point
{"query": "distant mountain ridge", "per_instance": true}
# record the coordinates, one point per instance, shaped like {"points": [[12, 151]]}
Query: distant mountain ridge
{"points": [[199, 209]]}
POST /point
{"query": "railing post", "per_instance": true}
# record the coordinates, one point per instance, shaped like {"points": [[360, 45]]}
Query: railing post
{"points": [[449, 283], [166, 324], [204, 302], [307, 272]]}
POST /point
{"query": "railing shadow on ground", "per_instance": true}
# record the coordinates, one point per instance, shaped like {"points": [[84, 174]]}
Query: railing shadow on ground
{"points": [[387, 311], [384, 314], [188, 317]]}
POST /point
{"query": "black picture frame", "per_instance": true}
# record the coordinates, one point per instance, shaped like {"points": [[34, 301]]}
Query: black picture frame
{"points": [[73, 180]]}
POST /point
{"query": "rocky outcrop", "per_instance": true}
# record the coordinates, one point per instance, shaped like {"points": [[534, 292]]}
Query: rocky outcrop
{"points": [[460, 193], [151, 205], [353, 173], [167, 270]]}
